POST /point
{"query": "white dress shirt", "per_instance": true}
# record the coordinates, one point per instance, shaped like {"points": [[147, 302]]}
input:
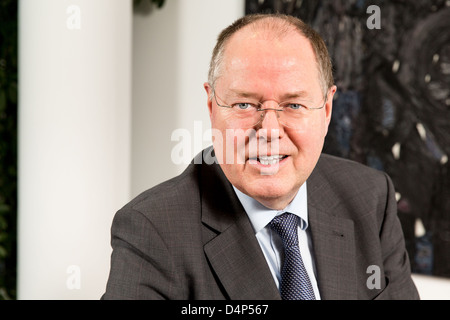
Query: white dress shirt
{"points": [[270, 242]]}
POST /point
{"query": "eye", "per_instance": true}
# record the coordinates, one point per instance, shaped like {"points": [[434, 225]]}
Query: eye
{"points": [[294, 106], [243, 105]]}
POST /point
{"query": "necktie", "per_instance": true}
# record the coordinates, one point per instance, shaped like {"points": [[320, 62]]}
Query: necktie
{"points": [[295, 283]]}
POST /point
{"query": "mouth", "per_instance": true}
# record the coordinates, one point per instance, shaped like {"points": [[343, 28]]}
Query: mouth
{"points": [[268, 160]]}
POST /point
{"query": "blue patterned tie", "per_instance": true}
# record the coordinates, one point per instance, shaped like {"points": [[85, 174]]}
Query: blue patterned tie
{"points": [[295, 283]]}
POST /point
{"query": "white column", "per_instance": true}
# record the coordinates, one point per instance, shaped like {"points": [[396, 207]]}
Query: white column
{"points": [[74, 142]]}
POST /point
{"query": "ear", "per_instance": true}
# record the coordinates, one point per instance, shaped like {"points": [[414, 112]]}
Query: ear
{"points": [[329, 104], [209, 92]]}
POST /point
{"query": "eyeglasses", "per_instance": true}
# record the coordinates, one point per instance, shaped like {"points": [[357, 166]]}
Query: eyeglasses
{"points": [[245, 113]]}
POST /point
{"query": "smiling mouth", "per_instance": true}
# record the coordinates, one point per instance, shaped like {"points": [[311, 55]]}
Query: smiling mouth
{"points": [[269, 160]]}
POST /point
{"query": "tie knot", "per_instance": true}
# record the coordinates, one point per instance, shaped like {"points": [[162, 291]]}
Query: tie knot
{"points": [[285, 225]]}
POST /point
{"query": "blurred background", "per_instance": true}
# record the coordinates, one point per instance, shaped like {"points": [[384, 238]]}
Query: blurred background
{"points": [[92, 92]]}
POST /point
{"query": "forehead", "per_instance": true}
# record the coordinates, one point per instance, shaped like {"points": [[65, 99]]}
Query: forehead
{"points": [[262, 56]]}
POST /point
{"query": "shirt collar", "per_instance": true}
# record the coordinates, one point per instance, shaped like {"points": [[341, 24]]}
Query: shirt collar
{"points": [[260, 215]]}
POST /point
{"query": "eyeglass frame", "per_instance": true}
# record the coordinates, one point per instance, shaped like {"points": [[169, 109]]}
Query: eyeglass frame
{"points": [[268, 109]]}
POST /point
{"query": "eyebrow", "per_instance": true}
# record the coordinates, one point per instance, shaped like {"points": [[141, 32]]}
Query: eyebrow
{"points": [[296, 94], [285, 96], [244, 94]]}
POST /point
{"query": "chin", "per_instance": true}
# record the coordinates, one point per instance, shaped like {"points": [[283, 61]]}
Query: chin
{"points": [[272, 195], [270, 190]]}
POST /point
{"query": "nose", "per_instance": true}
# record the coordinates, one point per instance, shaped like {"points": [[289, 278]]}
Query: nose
{"points": [[272, 128]]}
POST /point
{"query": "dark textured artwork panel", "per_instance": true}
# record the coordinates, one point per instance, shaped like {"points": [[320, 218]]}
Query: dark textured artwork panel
{"points": [[392, 107]]}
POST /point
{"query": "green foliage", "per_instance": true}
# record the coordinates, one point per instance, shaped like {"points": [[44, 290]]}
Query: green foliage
{"points": [[8, 148]]}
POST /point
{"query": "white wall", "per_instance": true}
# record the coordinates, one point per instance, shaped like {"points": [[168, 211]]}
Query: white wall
{"points": [[432, 288], [171, 52]]}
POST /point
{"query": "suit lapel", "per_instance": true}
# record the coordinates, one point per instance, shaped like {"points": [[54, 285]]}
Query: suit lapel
{"points": [[238, 262], [334, 251], [333, 240], [229, 241]]}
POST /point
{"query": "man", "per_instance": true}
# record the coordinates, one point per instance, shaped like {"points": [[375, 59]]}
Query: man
{"points": [[219, 230]]}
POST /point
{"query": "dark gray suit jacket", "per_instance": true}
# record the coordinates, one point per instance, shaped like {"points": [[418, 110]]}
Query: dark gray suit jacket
{"points": [[190, 238]]}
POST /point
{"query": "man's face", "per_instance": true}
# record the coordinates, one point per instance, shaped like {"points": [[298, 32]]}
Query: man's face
{"points": [[271, 70]]}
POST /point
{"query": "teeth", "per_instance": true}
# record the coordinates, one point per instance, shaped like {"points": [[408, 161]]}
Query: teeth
{"points": [[269, 160]]}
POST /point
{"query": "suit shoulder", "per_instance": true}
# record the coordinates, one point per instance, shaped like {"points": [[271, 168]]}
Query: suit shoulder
{"points": [[337, 166], [344, 174], [179, 192]]}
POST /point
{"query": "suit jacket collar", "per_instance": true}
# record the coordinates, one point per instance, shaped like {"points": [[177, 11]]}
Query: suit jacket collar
{"points": [[229, 241]]}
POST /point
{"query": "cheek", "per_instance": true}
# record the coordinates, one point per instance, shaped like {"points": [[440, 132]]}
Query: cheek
{"points": [[221, 118], [318, 126], [230, 145], [311, 138]]}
